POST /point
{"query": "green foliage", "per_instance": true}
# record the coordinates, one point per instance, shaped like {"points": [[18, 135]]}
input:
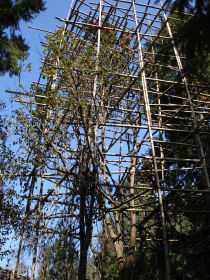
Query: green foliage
{"points": [[109, 268], [194, 34], [10, 210], [111, 271], [77, 65], [60, 261], [12, 45]]}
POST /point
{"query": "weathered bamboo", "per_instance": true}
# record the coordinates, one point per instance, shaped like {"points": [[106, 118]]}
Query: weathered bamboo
{"points": [[148, 112], [184, 80]]}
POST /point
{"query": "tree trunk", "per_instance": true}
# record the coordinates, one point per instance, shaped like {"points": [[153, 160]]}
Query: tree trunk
{"points": [[130, 260], [83, 261], [87, 196], [83, 245]]}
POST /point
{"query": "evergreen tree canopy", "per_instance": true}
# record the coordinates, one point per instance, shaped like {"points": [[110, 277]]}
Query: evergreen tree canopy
{"points": [[195, 33], [12, 45]]}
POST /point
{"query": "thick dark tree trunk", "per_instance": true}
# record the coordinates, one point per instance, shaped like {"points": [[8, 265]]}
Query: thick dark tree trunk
{"points": [[87, 198], [82, 262], [83, 241]]}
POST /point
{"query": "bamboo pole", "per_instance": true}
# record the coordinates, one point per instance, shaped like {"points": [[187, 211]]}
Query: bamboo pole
{"points": [[148, 112], [184, 80]]}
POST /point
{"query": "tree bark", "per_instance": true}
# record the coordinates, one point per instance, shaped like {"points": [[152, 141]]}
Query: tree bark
{"points": [[87, 195]]}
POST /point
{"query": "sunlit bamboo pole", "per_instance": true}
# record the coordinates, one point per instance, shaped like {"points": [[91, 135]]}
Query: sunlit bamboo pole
{"points": [[184, 80], [148, 112]]}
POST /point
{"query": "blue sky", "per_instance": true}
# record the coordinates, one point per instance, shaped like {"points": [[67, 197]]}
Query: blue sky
{"points": [[45, 20]]}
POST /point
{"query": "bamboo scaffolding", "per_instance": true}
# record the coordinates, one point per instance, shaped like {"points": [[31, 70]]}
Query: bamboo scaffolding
{"points": [[120, 135]]}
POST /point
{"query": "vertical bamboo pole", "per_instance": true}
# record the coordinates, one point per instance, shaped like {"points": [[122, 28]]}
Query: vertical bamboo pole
{"points": [[120, 158], [184, 80], [160, 120], [149, 118]]}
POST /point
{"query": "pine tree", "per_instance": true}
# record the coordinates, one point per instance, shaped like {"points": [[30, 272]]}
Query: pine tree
{"points": [[194, 34], [12, 45]]}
